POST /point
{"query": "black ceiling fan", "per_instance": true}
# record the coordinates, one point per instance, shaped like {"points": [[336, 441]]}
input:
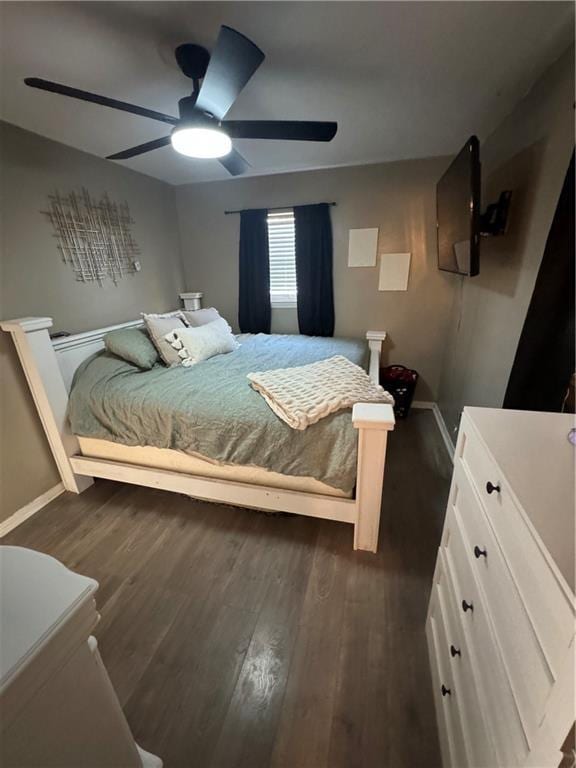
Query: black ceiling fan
{"points": [[201, 130]]}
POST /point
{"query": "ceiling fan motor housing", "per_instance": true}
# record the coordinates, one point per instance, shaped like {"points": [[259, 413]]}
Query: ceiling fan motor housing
{"points": [[192, 117], [186, 107]]}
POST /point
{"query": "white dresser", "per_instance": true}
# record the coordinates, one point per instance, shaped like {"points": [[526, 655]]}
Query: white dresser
{"points": [[59, 709], [501, 620]]}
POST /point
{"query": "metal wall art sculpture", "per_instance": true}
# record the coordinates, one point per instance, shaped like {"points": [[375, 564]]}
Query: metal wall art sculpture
{"points": [[94, 237]]}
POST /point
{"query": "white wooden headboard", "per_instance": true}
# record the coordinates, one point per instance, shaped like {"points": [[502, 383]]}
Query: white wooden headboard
{"points": [[73, 350]]}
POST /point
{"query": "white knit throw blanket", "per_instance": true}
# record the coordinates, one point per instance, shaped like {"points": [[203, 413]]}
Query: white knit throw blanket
{"points": [[303, 395]]}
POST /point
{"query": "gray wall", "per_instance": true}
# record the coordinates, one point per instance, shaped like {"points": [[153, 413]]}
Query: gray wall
{"points": [[34, 281], [528, 153], [399, 198]]}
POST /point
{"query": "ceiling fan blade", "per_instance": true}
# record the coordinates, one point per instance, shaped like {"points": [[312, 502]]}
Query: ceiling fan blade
{"points": [[75, 93], [140, 149], [232, 63], [286, 130], [234, 163]]}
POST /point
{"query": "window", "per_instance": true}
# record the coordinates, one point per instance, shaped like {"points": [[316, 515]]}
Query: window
{"points": [[281, 246]]}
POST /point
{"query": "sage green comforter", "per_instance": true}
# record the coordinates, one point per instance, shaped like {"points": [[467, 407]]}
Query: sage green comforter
{"points": [[211, 409]]}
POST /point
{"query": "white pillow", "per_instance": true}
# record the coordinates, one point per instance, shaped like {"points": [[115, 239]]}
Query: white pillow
{"points": [[196, 344]]}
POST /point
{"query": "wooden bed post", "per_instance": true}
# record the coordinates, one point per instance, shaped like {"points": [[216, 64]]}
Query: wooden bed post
{"points": [[375, 339], [40, 365], [373, 422]]}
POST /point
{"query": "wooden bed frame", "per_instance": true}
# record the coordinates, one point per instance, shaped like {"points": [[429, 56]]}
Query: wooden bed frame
{"points": [[49, 365]]}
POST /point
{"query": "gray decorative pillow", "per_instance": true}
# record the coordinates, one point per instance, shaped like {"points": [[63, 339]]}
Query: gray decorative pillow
{"points": [[132, 345], [158, 326], [197, 317]]}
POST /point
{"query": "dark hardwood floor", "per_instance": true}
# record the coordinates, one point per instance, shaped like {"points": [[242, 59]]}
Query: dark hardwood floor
{"points": [[240, 640]]}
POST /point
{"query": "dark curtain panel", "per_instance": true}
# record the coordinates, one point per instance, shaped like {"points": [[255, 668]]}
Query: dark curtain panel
{"points": [[314, 269], [254, 301], [544, 359]]}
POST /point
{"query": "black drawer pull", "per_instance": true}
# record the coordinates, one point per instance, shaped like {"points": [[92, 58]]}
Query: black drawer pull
{"points": [[454, 651], [491, 488], [467, 606], [480, 552], [446, 691]]}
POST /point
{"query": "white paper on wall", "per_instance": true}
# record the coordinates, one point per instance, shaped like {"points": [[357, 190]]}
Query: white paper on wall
{"points": [[362, 247], [394, 271]]}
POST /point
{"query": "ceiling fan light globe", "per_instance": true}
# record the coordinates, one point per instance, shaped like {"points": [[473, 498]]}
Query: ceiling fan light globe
{"points": [[201, 143]]}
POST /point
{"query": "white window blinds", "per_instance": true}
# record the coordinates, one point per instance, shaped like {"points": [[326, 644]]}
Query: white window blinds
{"points": [[281, 246]]}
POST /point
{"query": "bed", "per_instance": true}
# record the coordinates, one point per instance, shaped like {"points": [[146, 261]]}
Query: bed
{"points": [[203, 431]]}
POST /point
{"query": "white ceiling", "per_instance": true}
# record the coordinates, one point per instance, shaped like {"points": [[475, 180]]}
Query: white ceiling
{"points": [[403, 79]]}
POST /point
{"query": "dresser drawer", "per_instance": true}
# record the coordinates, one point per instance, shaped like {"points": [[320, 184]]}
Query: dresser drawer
{"points": [[485, 473], [526, 662], [495, 694], [449, 724], [477, 737], [550, 610]]}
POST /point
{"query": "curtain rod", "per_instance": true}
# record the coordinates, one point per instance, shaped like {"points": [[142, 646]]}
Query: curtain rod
{"points": [[279, 208]]}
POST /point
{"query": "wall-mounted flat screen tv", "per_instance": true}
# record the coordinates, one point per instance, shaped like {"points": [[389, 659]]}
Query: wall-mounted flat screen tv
{"points": [[458, 212]]}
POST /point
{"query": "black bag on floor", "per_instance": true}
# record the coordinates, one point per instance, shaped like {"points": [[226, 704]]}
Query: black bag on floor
{"points": [[401, 383]]}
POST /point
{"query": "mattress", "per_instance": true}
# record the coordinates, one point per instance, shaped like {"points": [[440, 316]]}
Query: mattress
{"points": [[202, 466]]}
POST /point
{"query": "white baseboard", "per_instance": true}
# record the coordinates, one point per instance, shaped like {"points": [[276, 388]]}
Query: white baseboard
{"points": [[30, 509], [431, 406]]}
